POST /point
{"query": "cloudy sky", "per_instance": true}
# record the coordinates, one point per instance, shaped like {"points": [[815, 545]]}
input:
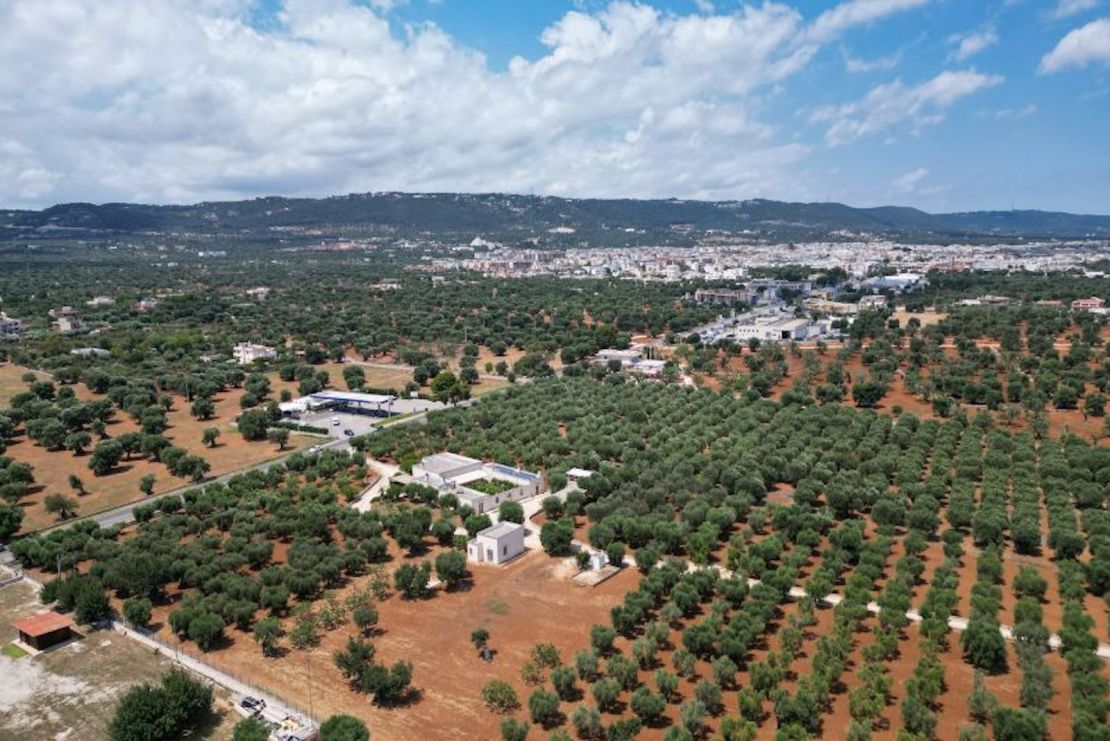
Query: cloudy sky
{"points": [[941, 104]]}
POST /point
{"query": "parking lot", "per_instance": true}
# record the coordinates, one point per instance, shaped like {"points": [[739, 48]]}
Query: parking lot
{"points": [[361, 424], [358, 424]]}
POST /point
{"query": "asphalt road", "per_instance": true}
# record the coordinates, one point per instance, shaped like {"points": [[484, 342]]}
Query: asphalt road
{"points": [[125, 513]]}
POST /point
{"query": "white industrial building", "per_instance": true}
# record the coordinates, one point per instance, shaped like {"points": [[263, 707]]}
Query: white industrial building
{"points": [[451, 473], [246, 353], [779, 329], [352, 402], [497, 544], [899, 282]]}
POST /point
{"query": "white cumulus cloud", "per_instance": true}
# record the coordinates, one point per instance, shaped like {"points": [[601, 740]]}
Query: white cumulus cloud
{"points": [[1068, 8], [894, 104], [852, 13], [968, 45], [908, 183], [182, 100], [1085, 45]]}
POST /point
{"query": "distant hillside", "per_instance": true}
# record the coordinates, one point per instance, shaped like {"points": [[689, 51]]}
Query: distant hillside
{"points": [[515, 216]]}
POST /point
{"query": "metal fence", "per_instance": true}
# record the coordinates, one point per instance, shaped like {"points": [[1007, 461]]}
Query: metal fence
{"points": [[196, 663]]}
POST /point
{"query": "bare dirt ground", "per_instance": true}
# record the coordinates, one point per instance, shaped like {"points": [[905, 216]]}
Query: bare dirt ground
{"points": [[11, 381], [53, 468], [70, 693], [521, 605], [927, 318]]}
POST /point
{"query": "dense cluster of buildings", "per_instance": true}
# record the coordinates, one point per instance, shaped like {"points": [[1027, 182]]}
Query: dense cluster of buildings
{"points": [[767, 326], [730, 258]]}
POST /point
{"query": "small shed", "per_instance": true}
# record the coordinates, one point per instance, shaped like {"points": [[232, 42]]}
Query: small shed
{"points": [[498, 544], [44, 630], [575, 475]]}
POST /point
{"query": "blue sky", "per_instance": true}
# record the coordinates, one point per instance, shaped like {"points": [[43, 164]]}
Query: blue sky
{"points": [[946, 105]]}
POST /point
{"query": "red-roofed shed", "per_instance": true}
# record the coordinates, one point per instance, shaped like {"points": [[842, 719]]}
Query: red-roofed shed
{"points": [[44, 630]]}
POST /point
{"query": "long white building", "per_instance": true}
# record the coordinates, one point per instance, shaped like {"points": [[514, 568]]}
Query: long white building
{"points": [[482, 486]]}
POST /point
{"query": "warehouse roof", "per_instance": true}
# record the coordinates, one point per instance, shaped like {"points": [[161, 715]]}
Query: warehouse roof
{"points": [[353, 397]]}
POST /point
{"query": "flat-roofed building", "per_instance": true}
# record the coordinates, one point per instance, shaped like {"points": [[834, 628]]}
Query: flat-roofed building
{"points": [[624, 357], [10, 327], [1088, 304], [246, 353], [721, 296], [483, 486], [442, 468], [497, 544], [574, 475], [877, 301]]}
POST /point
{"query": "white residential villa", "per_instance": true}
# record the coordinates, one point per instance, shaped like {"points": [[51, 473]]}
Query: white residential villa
{"points": [[497, 544], [246, 353], [10, 327], [631, 360], [482, 486], [66, 319]]}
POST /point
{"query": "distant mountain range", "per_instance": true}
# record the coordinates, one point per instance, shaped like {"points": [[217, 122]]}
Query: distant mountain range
{"points": [[597, 221]]}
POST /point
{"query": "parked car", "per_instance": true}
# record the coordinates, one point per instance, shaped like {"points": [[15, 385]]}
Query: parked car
{"points": [[253, 704], [349, 432], [335, 421]]}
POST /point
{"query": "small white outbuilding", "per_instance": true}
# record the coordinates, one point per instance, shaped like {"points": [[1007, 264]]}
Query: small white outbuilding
{"points": [[497, 544]]}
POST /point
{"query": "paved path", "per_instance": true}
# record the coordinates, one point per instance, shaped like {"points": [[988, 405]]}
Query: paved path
{"points": [[385, 471], [274, 706], [125, 513], [532, 507]]}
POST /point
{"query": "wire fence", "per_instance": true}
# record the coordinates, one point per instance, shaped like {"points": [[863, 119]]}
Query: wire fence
{"points": [[195, 662]]}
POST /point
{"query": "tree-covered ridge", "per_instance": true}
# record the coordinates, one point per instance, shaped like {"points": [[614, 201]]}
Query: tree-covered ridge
{"points": [[439, 213]]}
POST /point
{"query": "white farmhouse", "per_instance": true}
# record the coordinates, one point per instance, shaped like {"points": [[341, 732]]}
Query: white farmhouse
{"points": [[496, 545], [482, 486], [246, 353]]}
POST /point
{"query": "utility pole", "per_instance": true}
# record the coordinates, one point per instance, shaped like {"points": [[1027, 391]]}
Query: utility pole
{"points": [[308, 671]]}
